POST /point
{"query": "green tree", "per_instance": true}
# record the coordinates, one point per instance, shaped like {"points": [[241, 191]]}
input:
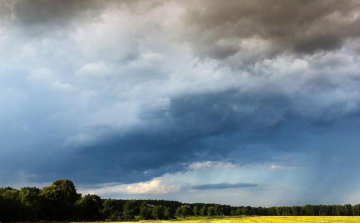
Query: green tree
{"points": [[116, 216], [60, 198], [203, 211], [196, 211], [183, 211], [348, 209], [167, 213], [238, 211], [233, 212], [110, 206], [211, 211], [30, 199], [145, 211], [178, 212], [12, 207], [356, 210], [218, 210], [129, 210], [89, 208], [158, 212]]}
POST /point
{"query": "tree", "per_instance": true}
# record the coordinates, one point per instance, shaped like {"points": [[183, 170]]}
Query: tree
{"points": [[2, 208], [218, 210], [110, 206], [145, 211], [233, 212], [348, 209], [203, 211], [129, 210], [196, 211], [183, 211], [158, 212], [178, 213], [211, 211], [238, 211], [89, 208], [167, 213], [12, 207], [59, 200], [116, 216], [356, 209], [309, 210], [30, 199]]}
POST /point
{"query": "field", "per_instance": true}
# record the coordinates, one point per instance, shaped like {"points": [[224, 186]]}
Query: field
{"points": [[302, 219]]}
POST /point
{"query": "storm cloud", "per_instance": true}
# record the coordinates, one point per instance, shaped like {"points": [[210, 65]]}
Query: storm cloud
{"points": [[227, 29], [123, 92]]}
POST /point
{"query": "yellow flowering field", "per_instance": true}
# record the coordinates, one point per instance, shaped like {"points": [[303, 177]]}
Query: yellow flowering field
{"points": [[271, 219]]}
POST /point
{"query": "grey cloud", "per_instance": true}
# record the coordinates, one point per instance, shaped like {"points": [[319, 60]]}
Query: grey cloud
{"points": [[247, 126], [194, 128], [44, 15], [165, 144], [217, 29], [48, 12], [222, 186]]}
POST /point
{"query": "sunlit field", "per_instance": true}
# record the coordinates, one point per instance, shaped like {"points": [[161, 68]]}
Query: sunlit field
{"points": [[271, 219]]}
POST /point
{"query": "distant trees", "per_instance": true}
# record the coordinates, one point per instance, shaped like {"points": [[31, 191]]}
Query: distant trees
{"points": [[110, 206], [167, 213], [129, 211], [89, 208], [203, 211], [356, 210], [55, 202], [158, 212], [61, 202], [196, 211], [219, 211], [11, 203], [145, 211], [211, 211], [183, 211], [31, 201]]}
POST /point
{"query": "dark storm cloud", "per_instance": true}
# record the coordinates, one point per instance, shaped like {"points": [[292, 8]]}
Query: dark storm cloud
{"points": [[50, 14], [222, 186], [181, 136], [194, 128], [218, 28], [34, 12], [233, 125]]}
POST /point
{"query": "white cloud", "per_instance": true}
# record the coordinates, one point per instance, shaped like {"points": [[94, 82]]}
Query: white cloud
{"points": [[151, 187], [155, 186], [212, 165]]}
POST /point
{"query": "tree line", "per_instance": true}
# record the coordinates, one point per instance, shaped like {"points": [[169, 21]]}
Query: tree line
{"points": [[61, 202]]}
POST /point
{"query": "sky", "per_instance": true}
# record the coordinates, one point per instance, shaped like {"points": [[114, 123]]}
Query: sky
{"points": [[247, 102]]}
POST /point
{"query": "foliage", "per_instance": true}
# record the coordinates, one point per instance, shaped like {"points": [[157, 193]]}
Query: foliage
{"points": [[158, 212], [196, 211], [129, 211], [110, 206], [183, 211], [89, 208], [145, 211], [61, 202]]}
